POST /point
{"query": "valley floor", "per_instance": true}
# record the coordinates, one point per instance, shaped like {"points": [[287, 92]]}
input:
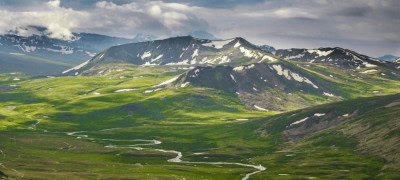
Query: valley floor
{"points": [[120, 126]]}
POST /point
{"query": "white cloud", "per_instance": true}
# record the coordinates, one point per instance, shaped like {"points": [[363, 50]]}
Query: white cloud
{"points": [[59, 21], [294, 13], [153, 17], [369, 26]]}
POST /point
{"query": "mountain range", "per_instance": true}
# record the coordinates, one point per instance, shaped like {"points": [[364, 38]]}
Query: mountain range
{"points": [[280, 80], [388, 57]]}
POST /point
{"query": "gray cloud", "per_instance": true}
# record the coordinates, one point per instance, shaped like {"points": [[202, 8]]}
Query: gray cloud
{"points": [[369, 26]]}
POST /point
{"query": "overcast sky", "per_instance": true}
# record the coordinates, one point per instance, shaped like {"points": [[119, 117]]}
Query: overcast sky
{"points": [[371, 27]]}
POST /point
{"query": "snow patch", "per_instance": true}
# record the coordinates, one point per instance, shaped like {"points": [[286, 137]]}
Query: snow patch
{"points": [[167, 82], [299, 121], [145, 55], [278, 69], [233, 78], [77, 67], [295, 57], [184, 84], [319, 114], [63, 50], [195, 53], [369, 71], [272, 59], [237, 44], [260, 108], [239, 68], [246, 52], [17, 54], [90, 54], [319, 52], [153, 90], [124, 90], [368, 65], [328, 94], [184, 62], [157, 58], [149, 64], [224, 59]]}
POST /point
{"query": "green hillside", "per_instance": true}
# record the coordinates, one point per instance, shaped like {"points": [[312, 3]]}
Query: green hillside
{"points": [[128, 125]]}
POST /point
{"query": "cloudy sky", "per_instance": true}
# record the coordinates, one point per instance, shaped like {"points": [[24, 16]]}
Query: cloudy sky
{"points": [[371, 27]]}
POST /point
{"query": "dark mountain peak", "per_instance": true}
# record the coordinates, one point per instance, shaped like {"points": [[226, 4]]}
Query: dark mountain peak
{"points": [[388, 57], [267, 48]]}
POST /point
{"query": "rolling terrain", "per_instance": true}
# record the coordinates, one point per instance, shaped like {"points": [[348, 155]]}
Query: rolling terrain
{"points": [[111, 113], [187, 108]]}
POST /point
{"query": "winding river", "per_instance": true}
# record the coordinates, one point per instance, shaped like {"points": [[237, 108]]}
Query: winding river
{"points": [[143, 144]]}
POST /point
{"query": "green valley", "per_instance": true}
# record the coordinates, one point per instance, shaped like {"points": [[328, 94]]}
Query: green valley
{"points": [[131, 122]]}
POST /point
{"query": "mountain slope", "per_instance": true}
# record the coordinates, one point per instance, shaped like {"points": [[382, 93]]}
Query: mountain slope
{"points": [[369, 125], [30, 65], [261, 86]]}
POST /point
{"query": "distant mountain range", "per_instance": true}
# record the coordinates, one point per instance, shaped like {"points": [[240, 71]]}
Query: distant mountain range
{"points": [[388, 57], [82, 47], [337, 56], [37, 53]]}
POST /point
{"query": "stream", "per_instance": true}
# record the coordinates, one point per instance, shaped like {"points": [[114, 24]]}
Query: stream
{"points": [[143, 144]]}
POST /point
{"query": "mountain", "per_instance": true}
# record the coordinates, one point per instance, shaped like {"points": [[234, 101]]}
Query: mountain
{"points": [[185, 50], [267, 48], [81, 47], [276, 86], [339, 57], [388, 58]]}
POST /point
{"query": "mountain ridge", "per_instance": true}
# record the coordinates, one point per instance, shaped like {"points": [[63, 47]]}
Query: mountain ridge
{"points": [[183, 51]]}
